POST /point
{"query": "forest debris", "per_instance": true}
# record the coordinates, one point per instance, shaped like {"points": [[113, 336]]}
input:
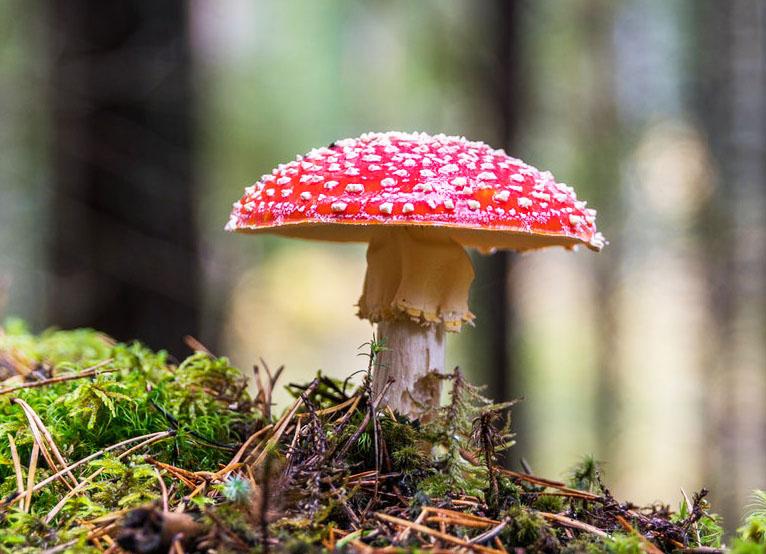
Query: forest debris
{"points": [[151, 531], [90, 372], [335, 470]]}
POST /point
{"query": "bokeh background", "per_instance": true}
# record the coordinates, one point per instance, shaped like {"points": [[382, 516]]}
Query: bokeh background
{"points": [[128, 128]]}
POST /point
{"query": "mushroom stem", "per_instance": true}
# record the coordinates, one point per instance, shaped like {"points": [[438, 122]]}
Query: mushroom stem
{"points": [[413, 358], [416, 288]]}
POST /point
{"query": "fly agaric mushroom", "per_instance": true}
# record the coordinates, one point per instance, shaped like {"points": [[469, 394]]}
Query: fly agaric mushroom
{"points": [[419, 201]]}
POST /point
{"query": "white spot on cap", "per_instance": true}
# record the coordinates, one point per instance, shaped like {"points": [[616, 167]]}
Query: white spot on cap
{"points": [[426, 173], [283, 180], [386, 207], [374, 167], [425, 187], [401, 173], [305, 195], [449, 168], [354, 187], [431, 203], [449, 204], [286, 192], [473, 204], [329, 185], [541, 195], [560, 197], [352, 171], [598, 240], [388, 182], [459, 181], [525, 202], [502, 196], [269, 192], [333, 167], [407, 208], [371, 158], [338, 207], [575, 219], [517, 177], [409, 162]]}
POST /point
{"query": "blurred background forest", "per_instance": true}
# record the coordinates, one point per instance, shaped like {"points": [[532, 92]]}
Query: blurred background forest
{"points": [[128, 128]]}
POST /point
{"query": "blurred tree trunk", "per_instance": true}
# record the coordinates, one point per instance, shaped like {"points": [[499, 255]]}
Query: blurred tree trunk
{"points": [[731, 102], [491, 297], [599, 169], [123, 244]]}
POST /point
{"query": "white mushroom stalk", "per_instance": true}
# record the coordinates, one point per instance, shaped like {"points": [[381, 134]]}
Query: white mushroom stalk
{"points": [[416, 288], [419, 201]]}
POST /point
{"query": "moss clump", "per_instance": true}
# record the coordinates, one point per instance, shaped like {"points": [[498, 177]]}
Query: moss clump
{"points": [[548, 503], [133, 392], [525, 528]]}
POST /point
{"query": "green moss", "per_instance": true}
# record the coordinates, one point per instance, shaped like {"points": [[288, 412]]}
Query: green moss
{"points": [[621, 543], [742, 546], [524, 527], [752, 535], [548, 503], [137, 392], [585, 545]]}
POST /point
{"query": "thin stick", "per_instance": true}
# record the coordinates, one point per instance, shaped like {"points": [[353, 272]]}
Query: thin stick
{"points": [[491, 534], [460, 515], [39, 442], [163, 489], [332, 409], [460, 522], [649, 546], [569, 522], [89, 372], [57, 508], [31, 476], [177, 547], [238, 456], [437, 534], [403, 534], [585, 495], [285, 420], [16, 465], [296, 435], [34, 420], [150, 438], [366, 420]]}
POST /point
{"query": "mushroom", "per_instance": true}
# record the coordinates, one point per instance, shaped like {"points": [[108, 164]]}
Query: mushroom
{"points": [[419, 201]]}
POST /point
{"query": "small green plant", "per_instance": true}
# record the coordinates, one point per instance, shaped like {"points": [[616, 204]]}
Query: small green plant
{"points": [[586, 474], [752, 535]]}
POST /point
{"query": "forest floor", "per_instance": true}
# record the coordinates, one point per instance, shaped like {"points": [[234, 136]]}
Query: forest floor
{"points": [[109, 447]]}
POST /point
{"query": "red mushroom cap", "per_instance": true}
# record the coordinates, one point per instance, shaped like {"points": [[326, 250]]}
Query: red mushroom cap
{"points": [[480, 196]]}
